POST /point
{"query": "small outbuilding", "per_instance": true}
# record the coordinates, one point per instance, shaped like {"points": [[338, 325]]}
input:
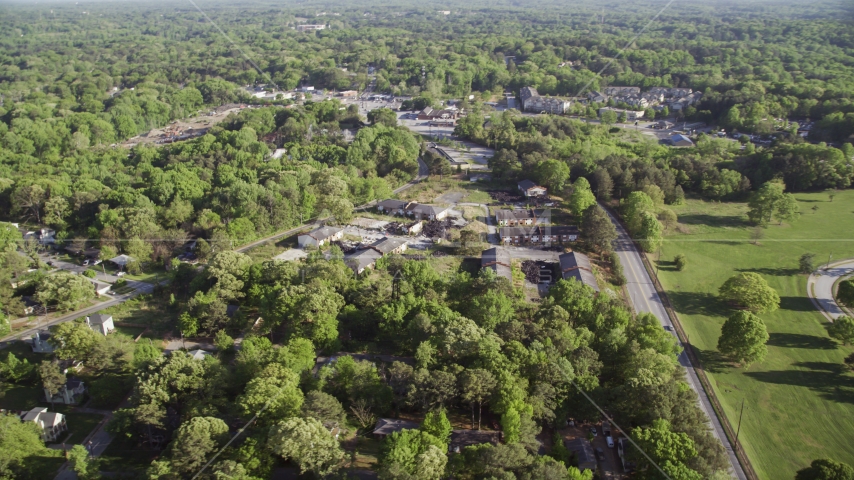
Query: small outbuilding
{"points": [[102, 324]]}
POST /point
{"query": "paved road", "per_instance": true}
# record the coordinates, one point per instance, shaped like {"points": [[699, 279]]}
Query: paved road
{"points": [[644, 298], [820, 287]]}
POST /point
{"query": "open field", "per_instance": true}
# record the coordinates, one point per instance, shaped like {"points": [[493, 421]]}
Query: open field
{"points": [[428, 191], [799, 401]]}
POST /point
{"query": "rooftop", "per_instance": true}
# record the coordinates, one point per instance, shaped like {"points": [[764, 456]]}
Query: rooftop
{"points": [[322, 233], [387, 245], [387, 426]]}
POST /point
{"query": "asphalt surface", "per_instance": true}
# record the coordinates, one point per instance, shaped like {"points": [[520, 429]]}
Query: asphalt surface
{"points": [[820, 287], [645, 298]]}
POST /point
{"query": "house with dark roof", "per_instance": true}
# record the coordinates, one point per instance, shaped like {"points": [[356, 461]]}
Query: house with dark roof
{"points": [[362, 260], [102, 324], [531, 189], [388, 246], [41, 344], [387, 426], [583, 451], [577, 265], [512, 218], [320, 236], [69, 394], [538, 234], [429, 212], [461, 439], [392, 207], [498, 260]]}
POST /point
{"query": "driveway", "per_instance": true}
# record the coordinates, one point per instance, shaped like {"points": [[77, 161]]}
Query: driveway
{"points": [[645, 298], [820, 288]]}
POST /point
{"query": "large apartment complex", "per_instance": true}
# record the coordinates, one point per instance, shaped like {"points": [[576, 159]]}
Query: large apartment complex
{"points": [[532, 101]]}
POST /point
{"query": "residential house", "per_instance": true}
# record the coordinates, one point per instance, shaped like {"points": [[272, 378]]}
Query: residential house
{"points": [[320, 236], [393, 207], [577, 265], [583, 451], [429, 212], [681, 141], [631, 115], [199, 354], [531, 189], [461, 439], [538, 234], [362, 260], [512, 218], [597, 97], [100, 287], [310, 28], [388, 246], [52, 424], [69, 394], [41, 344], [498, 260], [622, 91], [102, 324], [387, 426]]}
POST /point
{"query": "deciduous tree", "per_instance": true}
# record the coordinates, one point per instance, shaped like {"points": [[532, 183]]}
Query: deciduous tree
{"points": [[749, 290], [306, 442], [743, 338]]}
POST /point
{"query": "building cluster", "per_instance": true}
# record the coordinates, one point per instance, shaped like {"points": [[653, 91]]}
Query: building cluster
{"points": [[445, 117], [673, 98], [419, 211], [367, 257], [310, 28], [532, 101]]}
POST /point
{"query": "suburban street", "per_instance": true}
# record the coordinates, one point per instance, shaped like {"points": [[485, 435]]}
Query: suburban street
{"points": [[644, 298], [820, 286]]}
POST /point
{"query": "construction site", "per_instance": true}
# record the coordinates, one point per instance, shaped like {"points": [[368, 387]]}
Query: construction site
{"points": [[185, 129]]}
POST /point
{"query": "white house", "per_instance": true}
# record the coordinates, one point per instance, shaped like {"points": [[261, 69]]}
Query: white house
{"points": [[531, 189], [40, 343], [102, 324], [320, 236], [100, 288], [199, 354], [51, 423], [69, 394]]}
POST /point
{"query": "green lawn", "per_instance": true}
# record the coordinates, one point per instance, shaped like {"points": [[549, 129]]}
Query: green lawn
{"points": [[799, 402], [79, 426]]}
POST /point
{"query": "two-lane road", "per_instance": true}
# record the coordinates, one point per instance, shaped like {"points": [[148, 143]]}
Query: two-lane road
{"points": [[645, 298]]}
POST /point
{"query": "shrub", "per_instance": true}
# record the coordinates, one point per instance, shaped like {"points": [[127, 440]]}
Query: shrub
{"points": [[89, 273], [681, 262]]}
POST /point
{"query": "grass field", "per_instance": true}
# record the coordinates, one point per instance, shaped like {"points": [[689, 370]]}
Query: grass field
{"points": [[799, 401]]}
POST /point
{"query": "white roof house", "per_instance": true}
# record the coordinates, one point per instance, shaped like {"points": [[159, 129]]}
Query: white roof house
{"points": [[199, 354], [122, 260], [51, 423], [102, 324]]}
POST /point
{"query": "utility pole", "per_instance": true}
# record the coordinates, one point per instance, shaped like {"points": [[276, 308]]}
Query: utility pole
{"points": [[829, 257]]}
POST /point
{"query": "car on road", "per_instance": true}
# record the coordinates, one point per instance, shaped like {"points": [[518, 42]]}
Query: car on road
{"points": [[669, 328], [609, 441], [600, 453], [120, 274]]}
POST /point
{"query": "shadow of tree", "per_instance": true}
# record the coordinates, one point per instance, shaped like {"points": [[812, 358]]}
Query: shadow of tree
{"points": [[713, 361], [777, 272], [714, 220], [696, 303], [797, 340], [827, 379], [796, 304]]}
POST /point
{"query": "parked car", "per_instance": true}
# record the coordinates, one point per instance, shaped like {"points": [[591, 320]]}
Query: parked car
{"points": [[600, 453], [593, 431], [86, 262], [120, 274], [97, 262], [610, 441]]}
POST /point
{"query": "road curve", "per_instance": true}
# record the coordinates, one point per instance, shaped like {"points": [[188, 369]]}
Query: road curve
{"points": [[645, 298], [820, 287]]}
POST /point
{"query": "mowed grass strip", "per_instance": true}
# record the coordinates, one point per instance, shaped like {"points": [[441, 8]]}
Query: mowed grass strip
{"points": [[799, 401]]}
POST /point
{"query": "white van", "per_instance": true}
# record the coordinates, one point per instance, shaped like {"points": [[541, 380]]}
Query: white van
{"points": [[610, 441]]}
